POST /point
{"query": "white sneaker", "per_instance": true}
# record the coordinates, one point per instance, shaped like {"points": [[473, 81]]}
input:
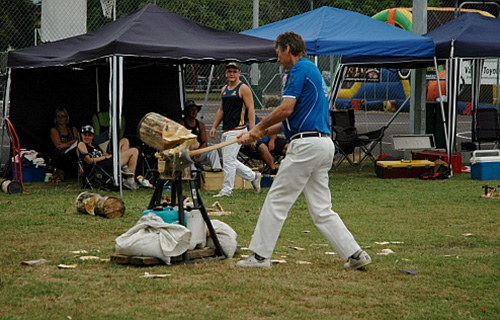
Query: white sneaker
{"points": [[252, 262], [126, 172], [222, 194], [356, 262], [256, 182]]}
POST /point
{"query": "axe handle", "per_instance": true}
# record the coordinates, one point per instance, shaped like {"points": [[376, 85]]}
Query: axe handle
{"points": [[214, 147]]}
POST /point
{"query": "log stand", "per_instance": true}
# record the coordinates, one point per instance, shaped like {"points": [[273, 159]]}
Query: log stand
{"points": [[177, 197]]}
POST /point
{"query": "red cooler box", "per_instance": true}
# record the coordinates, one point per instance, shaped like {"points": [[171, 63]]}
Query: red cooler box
{"points": [[433, 155]]}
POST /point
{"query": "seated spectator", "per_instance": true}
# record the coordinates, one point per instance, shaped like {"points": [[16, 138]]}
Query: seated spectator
{"points": [[198, 128], [64, 137], [267, 146], [94, 154]]}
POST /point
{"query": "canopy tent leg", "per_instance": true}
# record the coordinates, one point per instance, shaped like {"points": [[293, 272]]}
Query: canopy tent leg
{"points": [[477, 66], [337, 84], [208, 90], [453, 74], [443, 116]]}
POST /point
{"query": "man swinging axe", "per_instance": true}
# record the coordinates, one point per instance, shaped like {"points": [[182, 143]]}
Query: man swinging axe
{"points": [[303, 116]]}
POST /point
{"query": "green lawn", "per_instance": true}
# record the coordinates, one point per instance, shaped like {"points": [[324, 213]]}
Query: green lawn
{"points": [[442, 229]]}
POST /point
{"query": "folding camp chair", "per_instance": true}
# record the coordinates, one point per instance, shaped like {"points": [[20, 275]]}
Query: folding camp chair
{"points": [[93, 176], [249, 156], [487, 126], [346, 136]]}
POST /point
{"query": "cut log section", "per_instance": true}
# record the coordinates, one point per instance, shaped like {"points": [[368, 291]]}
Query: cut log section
{"points": [[162, 133], [96, 204]]}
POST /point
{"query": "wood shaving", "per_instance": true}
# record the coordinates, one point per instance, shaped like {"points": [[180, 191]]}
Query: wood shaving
{"points": [[330, 253], [34, 263], [67, 266], [79, 251], [302, 262], [278, 261], [297, 248], [89, 258], [384, 243], [155, 275], [385, 252]]}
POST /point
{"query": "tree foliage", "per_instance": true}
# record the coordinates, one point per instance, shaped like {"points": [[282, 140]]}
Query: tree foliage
{"points": [[18, 19]]}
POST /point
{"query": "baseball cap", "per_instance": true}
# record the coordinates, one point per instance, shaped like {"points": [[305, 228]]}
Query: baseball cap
{"points": [[232, 65], [88, 129]]}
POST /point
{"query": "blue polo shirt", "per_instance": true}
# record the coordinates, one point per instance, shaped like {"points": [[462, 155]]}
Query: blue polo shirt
{"points": [[305, 84]]}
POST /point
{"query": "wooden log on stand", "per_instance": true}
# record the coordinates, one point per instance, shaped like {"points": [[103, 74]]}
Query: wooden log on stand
{"points": [[96, 204]]}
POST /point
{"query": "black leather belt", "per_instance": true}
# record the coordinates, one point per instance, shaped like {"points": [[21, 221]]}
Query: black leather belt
{"points": [[301, 135]]}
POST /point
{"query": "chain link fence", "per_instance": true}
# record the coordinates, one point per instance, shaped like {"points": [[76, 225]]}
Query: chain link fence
{"points": [[22, 25]]}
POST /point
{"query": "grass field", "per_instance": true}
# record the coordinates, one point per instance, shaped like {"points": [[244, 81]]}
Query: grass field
{"points": [[441, 229]]}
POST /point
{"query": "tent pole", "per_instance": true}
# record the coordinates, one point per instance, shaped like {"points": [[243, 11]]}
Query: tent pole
{"points": [[5, 113], [98, 89], [182, 95], [337, 83], [477, 66], [443, 114], [114, 130], [208, 90], [119, 119]]}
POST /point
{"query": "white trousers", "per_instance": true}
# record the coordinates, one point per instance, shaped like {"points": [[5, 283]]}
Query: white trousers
{"points": [[232, 165], [212, 158], [304, 169]]}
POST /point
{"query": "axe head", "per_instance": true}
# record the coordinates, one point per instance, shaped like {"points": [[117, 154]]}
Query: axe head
{"points": [[182, 160]]}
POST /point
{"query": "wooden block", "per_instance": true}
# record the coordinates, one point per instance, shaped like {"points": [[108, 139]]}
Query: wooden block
{"points": [[152, 261], [120, 259], [196, 254], [145, 261], [213, 181]]}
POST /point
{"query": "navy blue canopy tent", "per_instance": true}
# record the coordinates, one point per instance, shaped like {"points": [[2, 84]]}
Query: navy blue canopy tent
{"points": [[473, 37], [134, 64]]}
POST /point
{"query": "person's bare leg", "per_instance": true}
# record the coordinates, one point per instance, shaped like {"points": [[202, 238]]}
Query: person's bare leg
{"points": [[266, 156], [129, 157]]}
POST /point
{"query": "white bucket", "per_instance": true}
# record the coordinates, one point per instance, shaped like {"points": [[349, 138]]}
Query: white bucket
{"points": [[197, 225]]}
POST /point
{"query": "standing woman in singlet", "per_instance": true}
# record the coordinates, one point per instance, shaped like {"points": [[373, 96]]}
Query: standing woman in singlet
{"points": [[235, 106]]}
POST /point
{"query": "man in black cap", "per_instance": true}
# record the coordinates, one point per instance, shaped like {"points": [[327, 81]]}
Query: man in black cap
{"points": [[198, 128]]}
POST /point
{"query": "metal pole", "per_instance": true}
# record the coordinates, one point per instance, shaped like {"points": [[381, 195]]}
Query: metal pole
{"points": [[418, 94], [254, 71]]}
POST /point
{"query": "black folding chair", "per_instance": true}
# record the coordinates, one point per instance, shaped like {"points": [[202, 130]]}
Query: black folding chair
{"points": [[93, 176], [345, 138], [249, 156], [487, 126]]}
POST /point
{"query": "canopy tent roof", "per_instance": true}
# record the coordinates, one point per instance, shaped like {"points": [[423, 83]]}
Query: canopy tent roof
{"points": [[359, 39], [473, 36], [150, 32]]}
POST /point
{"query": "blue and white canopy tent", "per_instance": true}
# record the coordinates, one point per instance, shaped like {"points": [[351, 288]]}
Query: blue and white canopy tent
{"points": [[469, 37]]}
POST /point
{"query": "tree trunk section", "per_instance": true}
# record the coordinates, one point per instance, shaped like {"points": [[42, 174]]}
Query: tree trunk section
{"points": [[96, 204]]}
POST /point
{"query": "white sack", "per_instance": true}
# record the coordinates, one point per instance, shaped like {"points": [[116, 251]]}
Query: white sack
{"points": [[152, 237], [226, 236]]}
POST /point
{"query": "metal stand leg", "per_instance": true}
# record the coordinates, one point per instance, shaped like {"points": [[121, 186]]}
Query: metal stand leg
{"points": [[177, 196]]}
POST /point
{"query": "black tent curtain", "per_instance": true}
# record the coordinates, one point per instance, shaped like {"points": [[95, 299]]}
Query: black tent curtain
{"points": [[40, 91]]}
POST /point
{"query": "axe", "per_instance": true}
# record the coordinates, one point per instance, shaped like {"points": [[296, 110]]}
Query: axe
{"points": [[183, 158]]}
